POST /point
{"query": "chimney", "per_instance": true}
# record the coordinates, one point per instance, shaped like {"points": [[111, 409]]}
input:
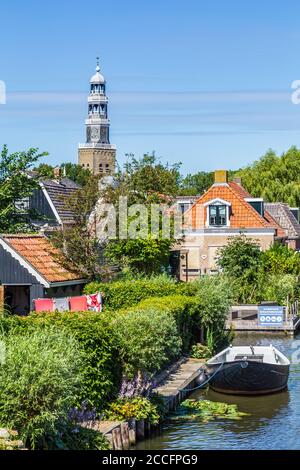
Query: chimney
{"points": [[221, 176], [238, 180], [56, 172]]}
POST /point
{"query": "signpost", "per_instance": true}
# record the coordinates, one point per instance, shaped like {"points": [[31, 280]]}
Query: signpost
{"points": [[270, 315]]}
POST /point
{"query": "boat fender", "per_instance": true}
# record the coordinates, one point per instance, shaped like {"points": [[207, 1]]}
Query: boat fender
{"points": [[202, 377]]}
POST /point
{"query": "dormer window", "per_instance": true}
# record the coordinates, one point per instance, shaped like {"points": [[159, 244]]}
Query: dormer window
{"points": [[217, 213]]}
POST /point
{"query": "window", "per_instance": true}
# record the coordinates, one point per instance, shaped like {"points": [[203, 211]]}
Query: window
{"points": [[217, 215]]}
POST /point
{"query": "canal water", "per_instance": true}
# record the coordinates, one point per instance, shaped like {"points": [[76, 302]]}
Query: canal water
{"points": [[274, 421]]}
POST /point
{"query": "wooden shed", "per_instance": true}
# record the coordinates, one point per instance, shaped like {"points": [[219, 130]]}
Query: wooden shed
{"points": [[31, 268]]}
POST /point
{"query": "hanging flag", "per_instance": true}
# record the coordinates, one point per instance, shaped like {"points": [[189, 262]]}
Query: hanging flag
{"points": [[94, 302]]}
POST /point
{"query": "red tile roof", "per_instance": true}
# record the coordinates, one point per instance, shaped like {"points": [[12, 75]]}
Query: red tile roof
{"points": [[42, 256], [243, 215]]}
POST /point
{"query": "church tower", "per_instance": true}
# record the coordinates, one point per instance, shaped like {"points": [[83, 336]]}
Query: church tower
{"points": [[97, 155]]}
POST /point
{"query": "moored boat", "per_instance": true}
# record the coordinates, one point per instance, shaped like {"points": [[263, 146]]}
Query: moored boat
{"points": [[248, 370]]}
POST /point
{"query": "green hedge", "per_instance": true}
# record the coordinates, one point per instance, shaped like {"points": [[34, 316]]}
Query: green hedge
{"points": [[101, 367], [183, 309], [126, 293]]}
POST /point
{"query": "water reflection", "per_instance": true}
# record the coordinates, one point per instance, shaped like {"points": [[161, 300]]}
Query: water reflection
{"points": [[274, 421]]}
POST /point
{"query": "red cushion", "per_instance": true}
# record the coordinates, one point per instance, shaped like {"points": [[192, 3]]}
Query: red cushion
{"points": [[78, 304], [44, 305]]}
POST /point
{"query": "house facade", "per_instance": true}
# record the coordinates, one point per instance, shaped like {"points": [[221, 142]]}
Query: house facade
{"points": [[225, 210]]}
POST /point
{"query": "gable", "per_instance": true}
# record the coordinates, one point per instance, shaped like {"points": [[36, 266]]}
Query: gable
{"points": [[12, 272], [242, 214]]}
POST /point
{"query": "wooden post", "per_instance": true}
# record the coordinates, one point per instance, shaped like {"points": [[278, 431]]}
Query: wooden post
{"points": [[1, 299], [117, 440], [147, 428], [110, 440], [140, 429], [132, 432], [125, 435]]}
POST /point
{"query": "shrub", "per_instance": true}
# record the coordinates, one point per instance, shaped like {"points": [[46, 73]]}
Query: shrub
{"points": [[147, 338], [183, 309], [135, 408], [240, 255], [281, 289], [280, 259], [201, 351], [101, 368], [126, 293], [39, 381], [212, 303], [71, 436]]}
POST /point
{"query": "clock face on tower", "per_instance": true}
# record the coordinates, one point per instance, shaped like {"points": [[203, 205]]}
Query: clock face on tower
{"points": [[95, 134]]}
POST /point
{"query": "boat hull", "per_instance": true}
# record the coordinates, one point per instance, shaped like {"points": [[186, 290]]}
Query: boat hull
{"points": [[248, 377]]}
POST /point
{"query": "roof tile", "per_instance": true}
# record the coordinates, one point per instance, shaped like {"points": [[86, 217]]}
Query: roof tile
{"points": [[43, 256]]}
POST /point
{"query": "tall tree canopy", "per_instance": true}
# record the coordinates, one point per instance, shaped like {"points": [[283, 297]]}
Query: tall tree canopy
{"points": [[15, 189], [275, 178], [144, 181]]}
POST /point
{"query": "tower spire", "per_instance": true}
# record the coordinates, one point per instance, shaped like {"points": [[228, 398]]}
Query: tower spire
{"points": [[97, 64]]}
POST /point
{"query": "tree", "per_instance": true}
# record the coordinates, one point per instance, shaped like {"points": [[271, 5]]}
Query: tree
{"points": [[193, 185], [70, 170], [144, 181], [45, 171], [76, 173], [16, 186], [78, 242], [275, 178], [240, 257]]}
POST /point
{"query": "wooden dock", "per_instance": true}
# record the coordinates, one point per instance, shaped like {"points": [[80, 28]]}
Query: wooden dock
{"points": [[171, 383], [174, 385]]}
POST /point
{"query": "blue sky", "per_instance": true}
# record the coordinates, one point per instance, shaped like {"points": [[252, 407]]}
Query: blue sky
{"points": [[204, 83]]}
